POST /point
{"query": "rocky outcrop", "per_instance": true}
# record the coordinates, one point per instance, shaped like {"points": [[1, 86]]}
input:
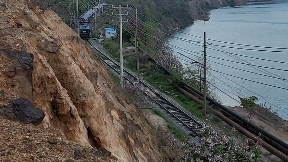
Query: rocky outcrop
{"points": [[24, 111], [65, 80]]}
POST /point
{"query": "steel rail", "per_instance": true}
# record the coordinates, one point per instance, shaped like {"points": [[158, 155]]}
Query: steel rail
{"points": [[193, 126]]}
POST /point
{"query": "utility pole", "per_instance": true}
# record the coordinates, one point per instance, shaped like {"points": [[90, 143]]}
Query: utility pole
{"points": [[200, 83], [102, 6], [136, 43], [121, 42], [77, 17], [99, 7], [95, 14], [205, 79]]}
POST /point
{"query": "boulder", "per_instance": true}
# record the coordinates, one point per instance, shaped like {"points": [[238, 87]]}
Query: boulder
{"points": [[24, 111]]}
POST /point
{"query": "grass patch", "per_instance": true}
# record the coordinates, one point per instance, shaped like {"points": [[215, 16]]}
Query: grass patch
{"points": [[159, 81], [176, 131]]}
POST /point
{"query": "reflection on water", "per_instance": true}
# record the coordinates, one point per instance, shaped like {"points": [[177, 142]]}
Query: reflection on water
{"points": [[247, 52]]}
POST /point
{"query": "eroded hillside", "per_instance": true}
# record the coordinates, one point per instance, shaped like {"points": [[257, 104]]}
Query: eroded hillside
{"points": [[44, 61]]}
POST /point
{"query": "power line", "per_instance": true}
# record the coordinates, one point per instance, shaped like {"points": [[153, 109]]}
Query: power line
{"points": [[251, 57], [221, 90], [233, 67], [247, 63], [250, 49], [239, 84], [264, 48], [250, 80], [280, 78], [249, 90], [183, 39], [273, 49]]}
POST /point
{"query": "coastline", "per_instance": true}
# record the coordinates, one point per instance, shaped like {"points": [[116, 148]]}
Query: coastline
{"points": [[267, 120], [262, 117]]}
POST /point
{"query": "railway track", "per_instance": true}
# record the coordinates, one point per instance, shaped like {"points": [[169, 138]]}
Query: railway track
{"points": [[184, 119], [274, 145]]}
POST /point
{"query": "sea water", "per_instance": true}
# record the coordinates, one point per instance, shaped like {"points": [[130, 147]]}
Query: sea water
{"points": [[247, 53]]}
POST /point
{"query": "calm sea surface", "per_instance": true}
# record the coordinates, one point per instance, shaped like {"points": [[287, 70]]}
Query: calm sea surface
{"points": [[247, 52]]}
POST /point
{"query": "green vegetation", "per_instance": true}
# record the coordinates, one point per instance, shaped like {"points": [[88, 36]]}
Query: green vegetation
{"points": [[177, 132], [172, 14], [249, 104], [159, 81], [112, 47]]}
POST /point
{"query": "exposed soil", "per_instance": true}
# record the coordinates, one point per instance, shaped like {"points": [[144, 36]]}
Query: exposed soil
{"points": [[269, 122], [26, 142], [266, 120]]}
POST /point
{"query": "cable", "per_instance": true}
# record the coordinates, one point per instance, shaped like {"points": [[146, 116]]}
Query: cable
{"points": [[223, 92], [250, 80], [247, 89], [241, 86], [233, 67], [251, 57], [249, 64], [276, 49], [242, 55], [250, 49]]}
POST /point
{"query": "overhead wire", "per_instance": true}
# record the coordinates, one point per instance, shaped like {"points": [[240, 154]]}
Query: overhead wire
{"points": [[274, 86], [241, 61], [243, 70], [251, 57], [240, 69], [249, 90], [250, 81], [250, 64], [221, 90], [273, 49]]}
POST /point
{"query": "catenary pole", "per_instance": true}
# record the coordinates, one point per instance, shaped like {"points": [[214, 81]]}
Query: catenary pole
{"points": [[121, 44], [77, 17], [95, 15], [136, 43], [205, 78], [121, 50]]}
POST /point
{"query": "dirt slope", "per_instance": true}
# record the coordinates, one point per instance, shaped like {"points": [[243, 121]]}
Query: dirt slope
{"points": [[44, 61]]}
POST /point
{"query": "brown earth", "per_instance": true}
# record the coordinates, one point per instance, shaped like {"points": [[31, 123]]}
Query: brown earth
{"points": [[87, 119], [44, 61], [268, 121]]}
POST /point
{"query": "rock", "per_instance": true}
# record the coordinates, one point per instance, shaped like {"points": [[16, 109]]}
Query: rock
{"points": [[53, 141], [24, 111], [77, 154], [3, 5], [24, 59], [47, 45], [10, 71], [102, 152]]}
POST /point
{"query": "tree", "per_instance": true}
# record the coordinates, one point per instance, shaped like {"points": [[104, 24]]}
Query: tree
{"points": [[167, 59], [249, 104]]}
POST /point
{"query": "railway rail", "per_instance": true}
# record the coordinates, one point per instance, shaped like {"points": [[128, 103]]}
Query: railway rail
{"points": [[191, 125], [273, 144]]}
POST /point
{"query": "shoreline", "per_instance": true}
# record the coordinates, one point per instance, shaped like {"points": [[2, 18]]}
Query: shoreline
{"points": [[266, 120], [248, 2]]}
